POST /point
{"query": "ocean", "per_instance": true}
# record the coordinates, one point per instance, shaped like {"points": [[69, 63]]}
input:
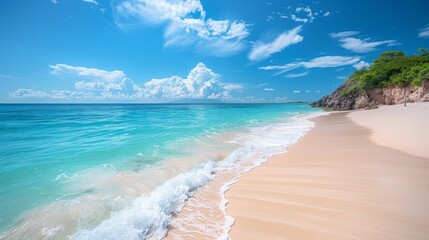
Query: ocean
{"points": [[122, 171]]}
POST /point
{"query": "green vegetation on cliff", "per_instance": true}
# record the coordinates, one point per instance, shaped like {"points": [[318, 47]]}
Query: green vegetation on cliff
{"points": [[392, 78], [391, 68]]}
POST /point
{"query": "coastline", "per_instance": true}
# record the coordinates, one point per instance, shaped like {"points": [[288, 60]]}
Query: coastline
{"points": [[342, 178], [139, 198], [204, 215], [340, 181]]}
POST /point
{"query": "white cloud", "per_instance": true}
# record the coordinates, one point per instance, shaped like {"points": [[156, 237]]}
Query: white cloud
{"points": [[123, 90], [229, 86], [217, 27], [200, 83], [280, 99], [160, 10], [296, 91], [424, 33], [359, 45], [55, 1], [250, 99], [287, 67], [343, 34], [92, 73], [237, 30], [91, 1], [125, 87], [221, 47], [263, 50], [304, 9], [269, 89], [89, 86], [361, 64], [303, 14], [308, 16], [319, 62], [295, 75], [330, 61], [186, 24], [297, 19], [7, 76], [363, 45], [24, 93]]}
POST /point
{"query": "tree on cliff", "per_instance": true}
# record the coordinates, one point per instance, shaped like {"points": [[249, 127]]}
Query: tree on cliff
{"points": [[391, 68], [394, 68]]}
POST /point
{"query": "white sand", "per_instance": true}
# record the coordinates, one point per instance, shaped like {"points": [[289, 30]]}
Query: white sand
{"points": [[341, 182], [399, 127]]}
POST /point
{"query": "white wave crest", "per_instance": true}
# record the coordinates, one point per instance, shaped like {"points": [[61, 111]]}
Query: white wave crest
{"points": [[148, 216]]}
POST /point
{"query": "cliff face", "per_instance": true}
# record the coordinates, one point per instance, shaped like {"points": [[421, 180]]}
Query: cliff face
{"points": [[339, 101]]}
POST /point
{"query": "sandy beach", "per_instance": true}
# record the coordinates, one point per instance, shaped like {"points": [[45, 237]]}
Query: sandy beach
{"points": [[359, 175]]}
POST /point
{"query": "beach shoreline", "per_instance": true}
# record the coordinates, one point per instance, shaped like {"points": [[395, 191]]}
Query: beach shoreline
{"points": [[139, 186], [347, 178], [204, 215]]}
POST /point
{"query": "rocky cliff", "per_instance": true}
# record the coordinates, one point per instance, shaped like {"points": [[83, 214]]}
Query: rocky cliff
{"points": [[347, 97]]}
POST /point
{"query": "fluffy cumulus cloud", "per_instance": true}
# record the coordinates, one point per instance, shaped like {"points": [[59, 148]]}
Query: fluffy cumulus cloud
{"points": [[319, 62], [201, 83], [349, 41], [262, 50], [124, 89], [186, 24], [424, 33], [99, 85]]}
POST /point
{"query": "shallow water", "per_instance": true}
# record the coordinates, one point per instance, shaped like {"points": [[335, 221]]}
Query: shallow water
{"points": [[104, 171]]}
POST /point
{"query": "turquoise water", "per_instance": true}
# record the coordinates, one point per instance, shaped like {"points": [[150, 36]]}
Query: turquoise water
{"points": [[69, 153]]}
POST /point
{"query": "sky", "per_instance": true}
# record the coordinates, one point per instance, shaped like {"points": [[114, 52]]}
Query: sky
{"points": [[151, 51]]}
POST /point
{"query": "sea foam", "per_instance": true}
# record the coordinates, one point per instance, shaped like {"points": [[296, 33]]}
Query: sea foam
{"points": [[148, 216]]}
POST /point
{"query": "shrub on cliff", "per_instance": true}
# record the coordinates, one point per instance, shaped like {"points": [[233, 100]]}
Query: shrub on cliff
{"points": [[394, 68], [391, 68]]}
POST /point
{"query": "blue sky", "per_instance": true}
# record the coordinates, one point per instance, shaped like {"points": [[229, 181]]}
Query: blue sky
{"points": [[193, 50]]}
